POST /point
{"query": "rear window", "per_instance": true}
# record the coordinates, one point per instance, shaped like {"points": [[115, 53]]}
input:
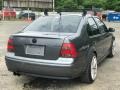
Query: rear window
{"points": [[65, 24]]}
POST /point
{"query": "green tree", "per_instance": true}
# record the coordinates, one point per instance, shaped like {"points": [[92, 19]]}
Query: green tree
{"points": [[93, 3], [67, 5], [78, 4], [112, 5], [117, 6], [0, 4]]}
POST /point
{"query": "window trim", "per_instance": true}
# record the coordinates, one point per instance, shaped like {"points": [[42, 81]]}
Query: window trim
{"points": [[99, 34], [99, 26]]}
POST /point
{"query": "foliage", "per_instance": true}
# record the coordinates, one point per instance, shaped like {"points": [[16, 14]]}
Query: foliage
{"points": [[66, 4], [112, 5], [90, 3], [0, 4], [78, 4]]}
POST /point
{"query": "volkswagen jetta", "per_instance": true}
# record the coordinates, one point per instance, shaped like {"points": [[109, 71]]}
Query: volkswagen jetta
{"points": [[60, 46]]}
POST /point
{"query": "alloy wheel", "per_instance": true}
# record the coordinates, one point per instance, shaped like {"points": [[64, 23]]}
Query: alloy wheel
{"points": [[94, 68]]}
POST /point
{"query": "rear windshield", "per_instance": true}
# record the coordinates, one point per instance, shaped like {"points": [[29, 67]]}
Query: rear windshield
{"points": [[65, 24]]}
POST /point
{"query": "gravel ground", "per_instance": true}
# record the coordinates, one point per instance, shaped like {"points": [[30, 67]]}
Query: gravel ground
{"points": [[108, 72]]}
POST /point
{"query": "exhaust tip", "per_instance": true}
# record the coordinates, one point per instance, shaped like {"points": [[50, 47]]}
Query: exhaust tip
{"points": [[16, 74]]}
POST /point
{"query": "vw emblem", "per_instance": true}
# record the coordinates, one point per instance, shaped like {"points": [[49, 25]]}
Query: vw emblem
{"points": [[34, 40]]}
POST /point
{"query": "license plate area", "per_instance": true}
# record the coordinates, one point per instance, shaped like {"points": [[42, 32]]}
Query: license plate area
{"points": [[35, 50]]}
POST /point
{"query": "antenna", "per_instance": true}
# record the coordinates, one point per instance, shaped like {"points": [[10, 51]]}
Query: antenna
{"points": [[84, 12], [46, 12], [59, 12]]}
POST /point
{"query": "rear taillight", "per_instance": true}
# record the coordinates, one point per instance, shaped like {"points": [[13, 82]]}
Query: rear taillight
{"points": [[68, 50], [10, 46]]}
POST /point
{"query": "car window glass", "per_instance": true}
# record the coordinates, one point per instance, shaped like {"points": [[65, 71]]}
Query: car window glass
{"points": [[92, 27], [101, 25], [70, 23], [63, 24]]}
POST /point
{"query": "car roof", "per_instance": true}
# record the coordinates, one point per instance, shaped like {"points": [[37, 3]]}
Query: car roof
{"points": [[70, 13]]}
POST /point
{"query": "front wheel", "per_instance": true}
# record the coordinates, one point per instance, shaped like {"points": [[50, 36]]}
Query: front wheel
{"points": [[91, 72]]}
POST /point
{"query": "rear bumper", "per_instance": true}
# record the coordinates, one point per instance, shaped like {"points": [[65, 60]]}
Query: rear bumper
{"points": [[54, 69]]}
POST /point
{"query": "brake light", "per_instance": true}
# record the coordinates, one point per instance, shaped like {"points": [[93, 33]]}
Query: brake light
{"points": [[10, 46], [68, 50]]}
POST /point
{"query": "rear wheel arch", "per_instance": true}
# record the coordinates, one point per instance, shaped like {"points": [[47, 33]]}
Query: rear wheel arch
{"points": [[92, 49], [87, 76], [112, 49]]}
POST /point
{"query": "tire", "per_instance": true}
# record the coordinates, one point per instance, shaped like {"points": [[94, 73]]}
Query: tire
{"points": [[112, 49], [90, 74]]}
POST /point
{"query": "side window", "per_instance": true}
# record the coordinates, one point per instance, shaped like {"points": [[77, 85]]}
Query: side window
{"points": [[92, 27], [101, 25]]}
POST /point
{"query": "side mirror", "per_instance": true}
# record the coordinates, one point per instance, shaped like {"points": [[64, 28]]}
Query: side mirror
{"points": [[111, 30]]}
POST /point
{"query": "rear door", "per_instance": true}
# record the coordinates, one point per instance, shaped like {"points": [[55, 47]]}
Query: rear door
{"points": [[95, 37], [105, 35]]}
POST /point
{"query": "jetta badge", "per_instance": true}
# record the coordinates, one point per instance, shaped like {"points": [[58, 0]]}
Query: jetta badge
{"points": [[34, 40]]}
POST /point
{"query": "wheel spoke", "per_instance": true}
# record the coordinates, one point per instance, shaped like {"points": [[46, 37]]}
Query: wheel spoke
{"points": [[94, 68]]}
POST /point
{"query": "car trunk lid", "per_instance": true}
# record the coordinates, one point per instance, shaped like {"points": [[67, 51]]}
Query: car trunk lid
{"points": [[39, 45]]}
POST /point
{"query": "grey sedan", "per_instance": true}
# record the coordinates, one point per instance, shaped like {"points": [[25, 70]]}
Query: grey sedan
{"points": [[61, 47]]}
